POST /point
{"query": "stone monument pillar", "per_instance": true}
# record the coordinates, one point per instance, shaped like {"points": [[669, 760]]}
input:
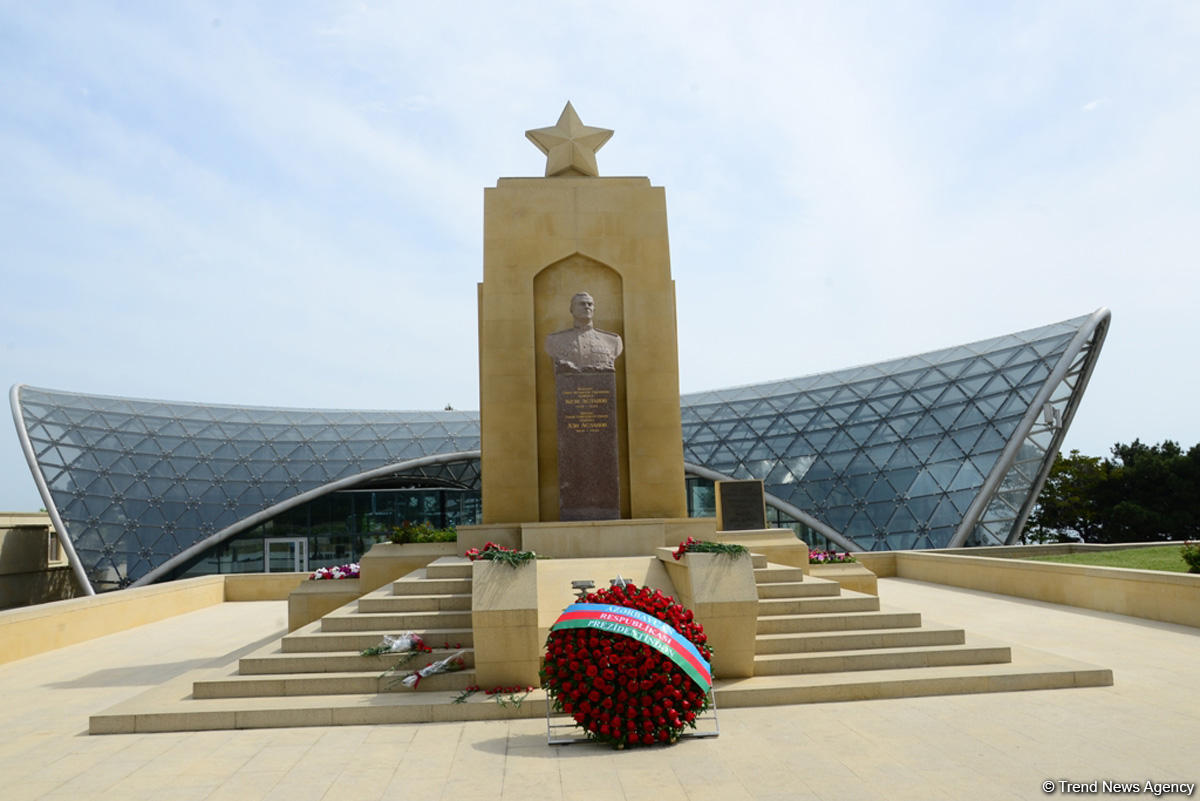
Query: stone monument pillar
{"points": [[545, 240]]}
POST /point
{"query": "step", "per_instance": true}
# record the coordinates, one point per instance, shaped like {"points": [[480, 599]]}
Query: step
{"points": [[848, 601], [879, 659], [809, 622], [1048, 673], [810, 641], [414, 603], [170, 706], [846, 621], [303, 684], [315, 641], [758, 561], [430, 586], [797, 589], [332, 662], [773, 573], [447, 567], [169, 712], [395, 621]]}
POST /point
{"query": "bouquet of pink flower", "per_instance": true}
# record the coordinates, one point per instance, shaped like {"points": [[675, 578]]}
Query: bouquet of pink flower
{"points": [[350, 571], [830, 558]]}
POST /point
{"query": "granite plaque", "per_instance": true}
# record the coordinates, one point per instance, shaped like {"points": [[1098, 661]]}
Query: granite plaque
{"points": [[741, 506], [588, 479], [585, 391]]}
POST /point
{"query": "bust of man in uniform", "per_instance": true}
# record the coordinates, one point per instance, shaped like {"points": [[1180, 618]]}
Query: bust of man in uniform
{"points": [[583, 348]]}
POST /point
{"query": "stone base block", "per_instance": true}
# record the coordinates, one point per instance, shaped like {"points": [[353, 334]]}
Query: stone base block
{"points": [[721, 591], [852, 576], [781, 546], [312, 600], [387, 562]]}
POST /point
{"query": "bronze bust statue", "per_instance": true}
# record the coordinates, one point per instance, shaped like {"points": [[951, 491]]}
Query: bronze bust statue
{"points": [[583, 348]]}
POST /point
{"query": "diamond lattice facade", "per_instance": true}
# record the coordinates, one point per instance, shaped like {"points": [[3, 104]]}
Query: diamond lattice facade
{"points": [[942, 449]]}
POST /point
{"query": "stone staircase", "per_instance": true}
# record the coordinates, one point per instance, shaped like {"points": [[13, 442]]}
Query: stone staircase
{"points": [[815, 642], [818, 642], [812, 626], [324, 657]]}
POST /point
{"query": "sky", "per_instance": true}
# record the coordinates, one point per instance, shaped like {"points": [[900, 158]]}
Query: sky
{"points": [[280, 204]]}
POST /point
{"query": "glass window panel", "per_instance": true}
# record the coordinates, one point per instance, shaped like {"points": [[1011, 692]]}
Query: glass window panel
{"points": [[946, 450], [943, 473]]}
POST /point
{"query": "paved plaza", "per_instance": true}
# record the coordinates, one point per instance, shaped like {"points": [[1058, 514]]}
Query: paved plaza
{"points": [[1146, 727]]}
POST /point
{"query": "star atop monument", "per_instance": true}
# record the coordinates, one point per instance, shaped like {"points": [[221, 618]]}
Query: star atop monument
{"points": [[569, 145]]}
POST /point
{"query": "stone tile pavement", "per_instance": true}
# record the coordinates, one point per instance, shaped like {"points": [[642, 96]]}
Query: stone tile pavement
{"points": [[1000, 746]]}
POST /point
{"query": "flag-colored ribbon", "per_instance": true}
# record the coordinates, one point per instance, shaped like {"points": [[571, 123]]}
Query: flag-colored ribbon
{"points": [[644, 628]]}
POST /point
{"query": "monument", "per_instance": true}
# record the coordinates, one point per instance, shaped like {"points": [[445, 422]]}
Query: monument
{"points": [[546, 242]]}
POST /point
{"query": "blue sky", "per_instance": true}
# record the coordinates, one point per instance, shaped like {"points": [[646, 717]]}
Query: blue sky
{"points": [[281, 203]]}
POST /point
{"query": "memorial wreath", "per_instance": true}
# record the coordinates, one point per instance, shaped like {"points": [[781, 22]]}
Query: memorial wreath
{"points": [[630, 665]]}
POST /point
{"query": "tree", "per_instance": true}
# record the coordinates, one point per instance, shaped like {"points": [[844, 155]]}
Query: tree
{"points": [[1142, 493], [1152, 493], [1066, 508]]}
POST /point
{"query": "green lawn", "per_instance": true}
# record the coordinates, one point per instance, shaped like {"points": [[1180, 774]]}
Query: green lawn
{"points": [[1159, 557]]}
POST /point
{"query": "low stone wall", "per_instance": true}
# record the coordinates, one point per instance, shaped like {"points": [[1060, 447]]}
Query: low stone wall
{"points": [[1051, 549], [1150, 594], [262, 586], [31, 630], [45, 627]]}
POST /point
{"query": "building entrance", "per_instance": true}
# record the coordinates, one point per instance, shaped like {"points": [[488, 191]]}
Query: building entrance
{"points": [[285, 555]]}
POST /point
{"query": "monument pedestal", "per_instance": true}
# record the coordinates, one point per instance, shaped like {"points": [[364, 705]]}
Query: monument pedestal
{"points": [[586, 539]]}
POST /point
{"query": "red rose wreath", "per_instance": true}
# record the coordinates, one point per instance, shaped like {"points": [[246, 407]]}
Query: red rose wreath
{"points": [[620, 689]]}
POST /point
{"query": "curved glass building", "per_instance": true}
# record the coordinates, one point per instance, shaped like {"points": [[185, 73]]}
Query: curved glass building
{"points": [[947, 448]]}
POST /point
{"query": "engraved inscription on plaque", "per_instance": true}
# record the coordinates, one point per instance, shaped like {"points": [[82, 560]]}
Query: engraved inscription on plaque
{"points": [[741, 506], [588, 479]]}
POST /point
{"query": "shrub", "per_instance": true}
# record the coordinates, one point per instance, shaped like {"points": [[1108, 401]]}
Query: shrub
{"points": [[1191, 555], [408, 531]]}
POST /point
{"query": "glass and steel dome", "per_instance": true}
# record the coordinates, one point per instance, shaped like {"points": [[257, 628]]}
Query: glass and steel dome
{"points": [[942, 449]]}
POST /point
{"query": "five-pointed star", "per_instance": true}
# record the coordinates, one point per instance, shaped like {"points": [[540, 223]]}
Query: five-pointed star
{"points": [[570, 146]]}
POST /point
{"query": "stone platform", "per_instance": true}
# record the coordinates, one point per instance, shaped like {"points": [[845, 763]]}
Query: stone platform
{"points": [[812, 642]]}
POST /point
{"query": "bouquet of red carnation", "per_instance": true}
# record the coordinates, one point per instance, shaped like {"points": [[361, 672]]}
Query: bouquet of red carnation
{"points": [[498, 553], [448, 665], [693, 545], [620, 689]]}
